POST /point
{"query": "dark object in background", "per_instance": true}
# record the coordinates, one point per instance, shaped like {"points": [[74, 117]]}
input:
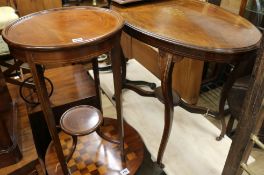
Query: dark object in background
{"points": [[235, 101], [9, 150], [254, 13], [216, 2]]}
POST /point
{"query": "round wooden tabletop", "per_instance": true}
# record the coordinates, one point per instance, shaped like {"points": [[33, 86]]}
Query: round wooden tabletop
{"points": [[62, 28], [190, 24]]}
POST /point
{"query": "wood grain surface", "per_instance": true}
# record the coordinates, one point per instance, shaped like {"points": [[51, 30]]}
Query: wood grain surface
{"points": [[193, 23], [190, 28], [81, 120], [97, 156], [26, 7], [50, 42], [55, 28]]}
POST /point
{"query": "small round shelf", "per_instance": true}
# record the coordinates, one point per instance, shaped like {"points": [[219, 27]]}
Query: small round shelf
{"points": [[81, 120]]}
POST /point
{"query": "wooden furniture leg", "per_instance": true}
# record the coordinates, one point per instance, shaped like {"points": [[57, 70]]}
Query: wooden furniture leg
{"points": [[97, 83], [45, 105], [98, 99], [117, 66], [251, 119], [132, 83], [64, 97], [166, 63]]}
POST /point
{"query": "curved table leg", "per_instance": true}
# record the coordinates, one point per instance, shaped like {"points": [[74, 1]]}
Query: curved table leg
{"points": [[166, 63], [224, 93], [134, 85]]}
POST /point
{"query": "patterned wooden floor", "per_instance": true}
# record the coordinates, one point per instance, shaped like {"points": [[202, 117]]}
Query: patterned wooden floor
{"points": [[95, 156]]}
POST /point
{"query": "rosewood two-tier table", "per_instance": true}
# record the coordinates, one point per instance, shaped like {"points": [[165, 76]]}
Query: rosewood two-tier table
{"points": [[65, 36]]}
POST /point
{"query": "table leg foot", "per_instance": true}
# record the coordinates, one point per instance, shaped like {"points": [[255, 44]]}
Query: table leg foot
{"points": [[219, 138], [159, 165], [223, 130]]}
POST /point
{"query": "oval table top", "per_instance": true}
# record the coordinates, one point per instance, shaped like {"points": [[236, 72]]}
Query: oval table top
{"points": [[192, 24], [62, 28]]}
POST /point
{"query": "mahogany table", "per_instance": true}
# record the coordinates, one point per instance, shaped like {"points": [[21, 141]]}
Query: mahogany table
{"points": [[193, 29], [64, 36]]}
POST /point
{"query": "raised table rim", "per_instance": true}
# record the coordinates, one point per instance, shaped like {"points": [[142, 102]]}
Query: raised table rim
{"points": [[66, 46], [176, 47]]}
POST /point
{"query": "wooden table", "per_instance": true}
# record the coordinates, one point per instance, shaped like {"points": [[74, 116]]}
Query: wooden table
{"points": [[65, 36], [192, 29]]}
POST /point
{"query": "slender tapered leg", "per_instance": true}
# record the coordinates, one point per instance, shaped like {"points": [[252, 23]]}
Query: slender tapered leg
{"points": [[117, 76], [124, 68], [230, 126], [98, 98], [166, 63], [97, 83], [41, 89]]}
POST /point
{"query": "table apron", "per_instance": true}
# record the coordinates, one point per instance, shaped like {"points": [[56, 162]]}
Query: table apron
{"points": [[219, 56], [64, 55]]}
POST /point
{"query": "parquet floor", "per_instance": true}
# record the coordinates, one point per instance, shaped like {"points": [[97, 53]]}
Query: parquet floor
{"points": [[25, 139], [29, 154]]}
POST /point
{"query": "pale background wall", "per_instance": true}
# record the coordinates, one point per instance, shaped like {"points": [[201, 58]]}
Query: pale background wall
{"points": [[231, 5]]}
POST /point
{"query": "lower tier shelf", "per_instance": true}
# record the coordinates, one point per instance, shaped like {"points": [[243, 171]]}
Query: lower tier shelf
{"points": [[95, 155]]}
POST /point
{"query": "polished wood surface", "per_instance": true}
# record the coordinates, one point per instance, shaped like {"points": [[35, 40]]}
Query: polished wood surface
{"points": [[187, 69], [62, 47], [126, 43], [187, 78], [242, 7], [192, 28], [97, 156], [79, 90], [57, 50], [81, 120], [26, 7], [62, 29], [78, 86], [72, 90]]}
